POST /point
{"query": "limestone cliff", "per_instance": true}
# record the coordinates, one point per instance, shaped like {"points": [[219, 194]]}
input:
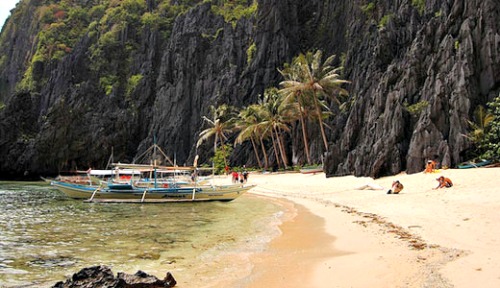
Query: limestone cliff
{"points": [[397, 54], [446, 55]]}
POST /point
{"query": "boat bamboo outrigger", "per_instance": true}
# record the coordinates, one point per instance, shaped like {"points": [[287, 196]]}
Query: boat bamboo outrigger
{"points": [[154, 191], [135, 188]]}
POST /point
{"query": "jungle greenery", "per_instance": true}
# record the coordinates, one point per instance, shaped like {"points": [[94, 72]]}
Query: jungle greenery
{"points": [[485, 131], [311, 86], [114, 28]]}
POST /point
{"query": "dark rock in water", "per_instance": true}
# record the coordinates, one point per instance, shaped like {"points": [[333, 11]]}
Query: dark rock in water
{"points": [[141, 279], [102, 276]]}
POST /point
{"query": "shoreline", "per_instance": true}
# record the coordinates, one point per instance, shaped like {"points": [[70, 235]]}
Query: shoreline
{"points": [[419, 238], [287, 262]]}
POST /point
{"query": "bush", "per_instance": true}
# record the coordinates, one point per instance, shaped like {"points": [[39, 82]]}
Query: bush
{"points": [[132, 82], [219, 157], [491, 143], [107, 83], [417, 108], [383, 22], [235, 10], [419, 5], [368, 8], [251, 53]]}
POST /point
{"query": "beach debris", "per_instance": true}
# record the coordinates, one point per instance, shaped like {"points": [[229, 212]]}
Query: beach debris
{"points": [[414, 241], [102, 276]]}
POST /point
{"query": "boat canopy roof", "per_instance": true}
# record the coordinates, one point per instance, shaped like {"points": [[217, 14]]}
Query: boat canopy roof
{"points": [[114, 172], [147, 167]]}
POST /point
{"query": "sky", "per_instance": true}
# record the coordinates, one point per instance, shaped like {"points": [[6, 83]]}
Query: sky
{"points": [[5, 7]]}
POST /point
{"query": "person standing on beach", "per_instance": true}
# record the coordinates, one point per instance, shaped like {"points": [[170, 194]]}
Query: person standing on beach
{"points": [[443, 183], [235, 176], [396, 187], [245, 176]]}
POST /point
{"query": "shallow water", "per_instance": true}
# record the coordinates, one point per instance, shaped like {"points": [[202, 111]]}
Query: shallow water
{"points": [[46, 237]]}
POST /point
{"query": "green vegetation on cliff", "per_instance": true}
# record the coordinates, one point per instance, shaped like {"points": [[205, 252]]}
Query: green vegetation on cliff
{"points": [[232, 11], [115, 29]]}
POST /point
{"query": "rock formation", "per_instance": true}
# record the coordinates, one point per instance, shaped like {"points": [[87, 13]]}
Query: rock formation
{"points": [[418, 69], [445, 57], [102, 276]]}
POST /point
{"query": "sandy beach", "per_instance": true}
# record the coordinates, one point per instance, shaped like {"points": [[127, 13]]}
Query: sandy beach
{"points": [[344, 237]]}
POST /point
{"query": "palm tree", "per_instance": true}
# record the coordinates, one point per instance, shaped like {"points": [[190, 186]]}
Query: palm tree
{"points": [[220, 124], [292, 90], [480, 125], [322, 80], [247, 123], [261, 134], [275, 121]]}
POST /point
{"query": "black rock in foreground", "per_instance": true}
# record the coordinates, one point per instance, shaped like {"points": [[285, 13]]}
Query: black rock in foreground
{"points": [[102, 276]]}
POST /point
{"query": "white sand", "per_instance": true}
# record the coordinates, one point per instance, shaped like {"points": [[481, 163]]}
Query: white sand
{"points": [[419, 238]]}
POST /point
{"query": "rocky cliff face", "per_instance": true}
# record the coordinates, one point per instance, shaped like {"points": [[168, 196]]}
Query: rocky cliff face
{"points": [[397, 55], [447, 56]]}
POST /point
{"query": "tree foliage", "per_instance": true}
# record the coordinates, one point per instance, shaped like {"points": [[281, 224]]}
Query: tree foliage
{"points": [[309, 88], [219, 159], [491, 143], [234, 10], [485, 131]]}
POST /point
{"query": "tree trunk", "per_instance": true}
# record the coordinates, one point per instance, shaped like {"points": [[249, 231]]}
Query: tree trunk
{"points": [[256, 151], [276, 153], [318, 111], [284, 149], [266, 161], [304, 134], [280, 145]]}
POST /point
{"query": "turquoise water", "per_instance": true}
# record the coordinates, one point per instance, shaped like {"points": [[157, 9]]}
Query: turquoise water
{"points": [[46, 237]]}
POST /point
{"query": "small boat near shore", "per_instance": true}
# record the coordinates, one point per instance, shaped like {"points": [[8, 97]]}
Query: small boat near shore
{"points": [[311, 169], [129, 191], [152, 189], [468, 165]]}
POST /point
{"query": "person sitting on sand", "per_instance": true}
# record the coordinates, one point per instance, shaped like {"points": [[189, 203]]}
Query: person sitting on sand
{"points": [[396, 187], [444, 182], [430, 166]]}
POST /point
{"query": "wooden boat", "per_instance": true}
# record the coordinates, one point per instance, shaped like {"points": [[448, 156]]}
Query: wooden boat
{"points": [[153, 187], [129, 191], [468, 165], [93, 177], [311, 169]]}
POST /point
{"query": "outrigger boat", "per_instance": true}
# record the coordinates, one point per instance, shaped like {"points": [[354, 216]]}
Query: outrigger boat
{"points": [[311, 169], [468, 165], [113, 191]]}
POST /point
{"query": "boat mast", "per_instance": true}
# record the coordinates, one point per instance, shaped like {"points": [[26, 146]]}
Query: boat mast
{"points": [[154, 160], [110, 159]]}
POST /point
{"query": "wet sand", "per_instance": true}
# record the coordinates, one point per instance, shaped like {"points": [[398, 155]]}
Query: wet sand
{"points": [[292, 257]]}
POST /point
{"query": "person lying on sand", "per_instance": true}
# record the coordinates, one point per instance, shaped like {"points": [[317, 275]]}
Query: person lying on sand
{"points": [[396, 187], [444, 182], [370, 186]]}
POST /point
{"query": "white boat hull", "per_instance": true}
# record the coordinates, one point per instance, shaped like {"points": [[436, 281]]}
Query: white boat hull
{"points": [[208, 193]]}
